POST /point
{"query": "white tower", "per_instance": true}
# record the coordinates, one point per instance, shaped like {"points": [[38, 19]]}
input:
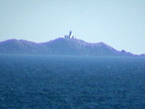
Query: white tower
{"points": [[70, 34]]}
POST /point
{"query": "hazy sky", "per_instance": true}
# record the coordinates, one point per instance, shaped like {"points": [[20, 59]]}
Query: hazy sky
{"points": [[118, 23]]}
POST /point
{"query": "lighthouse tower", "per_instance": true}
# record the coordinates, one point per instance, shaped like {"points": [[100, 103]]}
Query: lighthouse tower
{"points": [[70, 34]]}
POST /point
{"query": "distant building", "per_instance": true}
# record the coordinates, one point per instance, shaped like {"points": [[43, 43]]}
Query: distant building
{"points": [[69, 36]]}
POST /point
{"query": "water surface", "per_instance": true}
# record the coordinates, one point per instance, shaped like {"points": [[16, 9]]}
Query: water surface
{"points": [[71, 82]]}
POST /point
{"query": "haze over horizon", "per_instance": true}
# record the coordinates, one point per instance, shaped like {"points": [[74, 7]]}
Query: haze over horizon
{"points": [[119, 23]]}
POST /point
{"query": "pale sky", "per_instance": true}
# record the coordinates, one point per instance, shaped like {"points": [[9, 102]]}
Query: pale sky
{"points": [[118, 23]]}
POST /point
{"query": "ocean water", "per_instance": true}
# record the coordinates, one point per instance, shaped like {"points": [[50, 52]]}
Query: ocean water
{"points": [[71, 82]]}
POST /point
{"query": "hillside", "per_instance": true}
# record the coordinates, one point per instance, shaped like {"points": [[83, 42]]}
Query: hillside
{"points": [[60, 46]]}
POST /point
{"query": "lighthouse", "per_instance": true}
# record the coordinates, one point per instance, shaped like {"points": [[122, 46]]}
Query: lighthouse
{"points": [[69, 36]]}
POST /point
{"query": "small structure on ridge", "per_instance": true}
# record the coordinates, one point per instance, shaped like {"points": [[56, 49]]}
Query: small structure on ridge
{"points": [[69, 36]]}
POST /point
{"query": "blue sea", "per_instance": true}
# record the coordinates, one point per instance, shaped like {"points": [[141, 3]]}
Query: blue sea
{"points": [[71, 82]]}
